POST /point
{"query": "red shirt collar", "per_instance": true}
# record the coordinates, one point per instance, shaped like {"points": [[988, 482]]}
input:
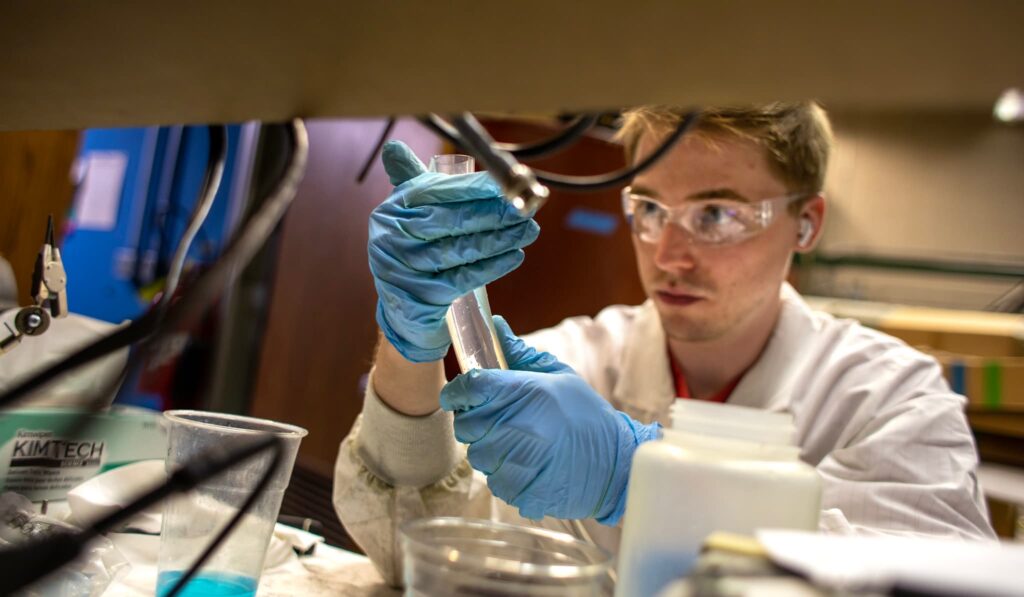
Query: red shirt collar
{"points": [[683, 390]]}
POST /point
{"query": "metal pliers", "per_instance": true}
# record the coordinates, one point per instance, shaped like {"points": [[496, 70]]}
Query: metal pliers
{"points": [[49, 281], [49, 293]]}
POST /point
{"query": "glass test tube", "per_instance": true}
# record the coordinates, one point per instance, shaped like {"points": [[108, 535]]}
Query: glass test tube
{"points": [[469, 317]]}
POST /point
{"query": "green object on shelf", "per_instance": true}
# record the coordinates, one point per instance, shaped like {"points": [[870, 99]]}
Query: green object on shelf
{"points": [[993, 385]]}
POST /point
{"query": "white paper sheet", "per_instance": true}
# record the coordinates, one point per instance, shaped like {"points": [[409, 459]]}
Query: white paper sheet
{"points": [[934, 566], [1005, 483], [100, 194]]}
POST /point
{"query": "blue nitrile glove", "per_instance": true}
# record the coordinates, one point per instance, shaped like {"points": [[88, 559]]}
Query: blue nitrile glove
{"points": [[548, 443], [435, 238]]}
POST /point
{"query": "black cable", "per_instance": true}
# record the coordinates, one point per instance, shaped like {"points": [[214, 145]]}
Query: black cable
{"points": [[518, 182], [365, 170], [120, 338], [207, 287], [244, 247], [441, 128], [488, 152], [141, 328], [212, 177], [278, 444], [24, 564], [45, 556], [523, 151], [576, 128], [208, 191], [611, 179]]}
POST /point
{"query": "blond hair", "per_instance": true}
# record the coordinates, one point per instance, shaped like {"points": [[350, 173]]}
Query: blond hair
{"points": [[796, 137]]}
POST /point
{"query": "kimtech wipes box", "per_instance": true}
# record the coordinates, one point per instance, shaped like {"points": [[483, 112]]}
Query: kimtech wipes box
{"points": [[46, 452]]}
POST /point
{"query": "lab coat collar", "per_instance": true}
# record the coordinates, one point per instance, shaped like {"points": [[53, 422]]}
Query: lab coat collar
{"points": [[769, 383], [644, 389]]}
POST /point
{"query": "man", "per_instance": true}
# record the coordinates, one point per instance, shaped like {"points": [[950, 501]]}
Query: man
{"points": [[715, 223]]}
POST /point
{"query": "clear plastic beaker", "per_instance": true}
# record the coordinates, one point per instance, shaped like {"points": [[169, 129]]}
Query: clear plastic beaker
{"points": [[470, 326], [452, 163], [191, 521], [461, 556]]}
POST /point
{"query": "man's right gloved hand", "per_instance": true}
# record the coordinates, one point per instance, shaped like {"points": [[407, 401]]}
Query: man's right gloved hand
{"points": [[435, 238]]}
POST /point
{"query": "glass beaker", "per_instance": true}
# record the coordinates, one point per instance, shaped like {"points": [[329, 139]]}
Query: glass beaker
{"points": [[461, 556], [474, 338], [452, 163], [192, 520]]}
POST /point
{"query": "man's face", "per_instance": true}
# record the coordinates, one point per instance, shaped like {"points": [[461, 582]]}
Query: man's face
{"points": [[707, 292]]}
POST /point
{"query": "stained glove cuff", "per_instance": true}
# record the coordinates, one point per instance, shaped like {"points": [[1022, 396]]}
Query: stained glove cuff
{"points": [[646, 433], [410, 352], [640, 433]]}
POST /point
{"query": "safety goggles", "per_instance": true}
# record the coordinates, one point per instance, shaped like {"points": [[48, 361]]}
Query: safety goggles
{"points": [[708, 221]]}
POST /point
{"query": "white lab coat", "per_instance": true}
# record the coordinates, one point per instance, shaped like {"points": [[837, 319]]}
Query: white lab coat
{"points": [[874, 416], [64, 337]]}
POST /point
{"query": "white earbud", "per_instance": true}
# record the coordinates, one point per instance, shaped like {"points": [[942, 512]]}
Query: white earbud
{"points": [[806, 232]]}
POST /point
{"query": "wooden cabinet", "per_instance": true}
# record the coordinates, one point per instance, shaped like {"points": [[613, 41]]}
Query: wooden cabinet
{"points": [[35, 182]]}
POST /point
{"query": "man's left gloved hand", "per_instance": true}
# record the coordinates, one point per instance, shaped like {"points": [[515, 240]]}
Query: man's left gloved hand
{"points": [[549, 444]]}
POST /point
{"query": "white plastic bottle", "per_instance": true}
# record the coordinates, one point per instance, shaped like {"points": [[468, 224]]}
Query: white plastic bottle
{"points": [[719, 468]]}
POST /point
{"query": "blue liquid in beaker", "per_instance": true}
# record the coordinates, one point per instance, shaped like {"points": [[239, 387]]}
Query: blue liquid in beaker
{"points": [[219, 584]]}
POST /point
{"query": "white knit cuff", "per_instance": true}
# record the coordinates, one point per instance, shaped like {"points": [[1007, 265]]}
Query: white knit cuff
{"points": [[403, 450]]}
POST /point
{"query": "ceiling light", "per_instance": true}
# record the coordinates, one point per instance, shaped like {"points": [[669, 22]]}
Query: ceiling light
{"points": [[1010, 106]]}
